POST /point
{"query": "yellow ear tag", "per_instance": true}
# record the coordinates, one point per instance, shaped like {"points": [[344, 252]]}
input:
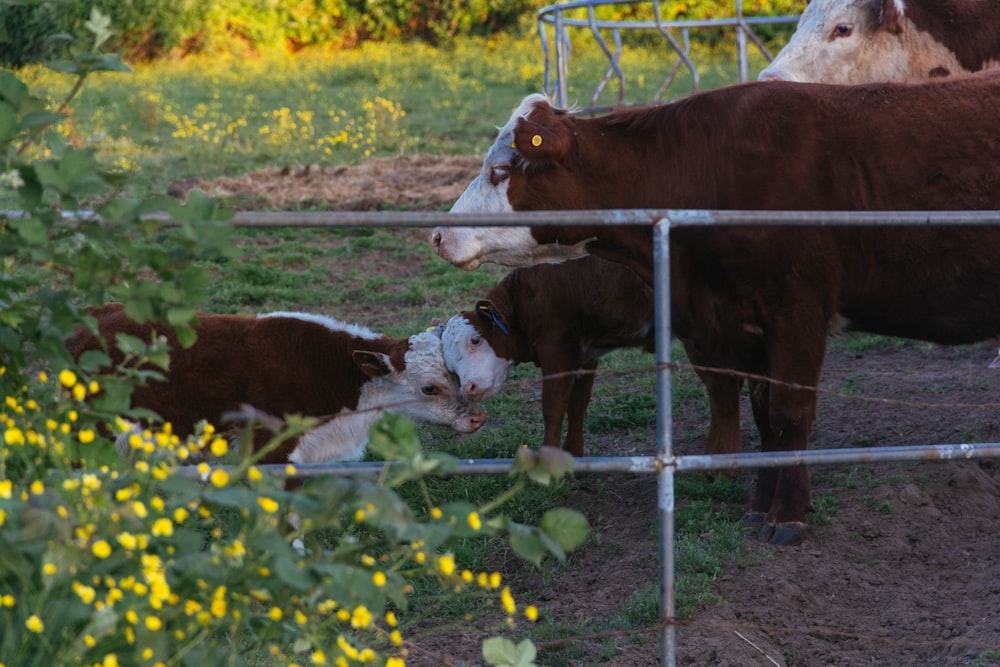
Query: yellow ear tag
{"points": [[536, 140], [513, 144]]}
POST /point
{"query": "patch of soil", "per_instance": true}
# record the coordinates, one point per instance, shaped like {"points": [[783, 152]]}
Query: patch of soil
{"points": [[406, 182], [904, 571]]}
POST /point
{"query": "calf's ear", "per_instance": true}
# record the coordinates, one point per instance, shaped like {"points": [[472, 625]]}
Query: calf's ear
{"points": [[372, 364], [489, 314], [542, 137]]}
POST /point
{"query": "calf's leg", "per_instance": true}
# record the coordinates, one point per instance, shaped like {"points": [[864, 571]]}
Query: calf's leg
{"points": [[579, 399]]}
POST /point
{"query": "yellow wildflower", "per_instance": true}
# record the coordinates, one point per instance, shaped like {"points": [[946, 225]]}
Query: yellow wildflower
{"points": [[446, 564], [269, 505], [67, 378], [163, 527], [507, 600], [219, 478], [361, 618]]}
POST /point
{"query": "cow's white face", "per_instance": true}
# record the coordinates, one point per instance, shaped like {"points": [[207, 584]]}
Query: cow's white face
{"points": [[848, 42], [470, 247], [481, 373]]}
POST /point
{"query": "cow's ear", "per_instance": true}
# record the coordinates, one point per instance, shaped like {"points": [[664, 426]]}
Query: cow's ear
{"points": [[890, 15], [489, 313], [372, 364], [542, 136]]}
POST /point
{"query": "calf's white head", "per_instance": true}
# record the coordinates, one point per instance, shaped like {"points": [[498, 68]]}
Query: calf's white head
{"points": [[467, 352]]}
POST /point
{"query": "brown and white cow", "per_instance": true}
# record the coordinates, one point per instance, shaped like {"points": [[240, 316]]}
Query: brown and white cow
{"points": [[293, 363], [862, 41], [761, 300], [560, 317]]}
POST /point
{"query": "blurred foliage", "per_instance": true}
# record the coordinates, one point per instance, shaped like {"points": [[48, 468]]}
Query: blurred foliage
{"points": [[151, 28]]}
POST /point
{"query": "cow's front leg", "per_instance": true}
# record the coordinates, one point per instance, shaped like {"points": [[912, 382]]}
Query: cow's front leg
{"points": [[785, 425]]}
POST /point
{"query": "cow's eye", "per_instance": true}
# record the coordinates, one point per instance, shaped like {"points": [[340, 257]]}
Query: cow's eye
{"points": [[843, 30], [499, 173], [429, 390], [475, 340]]}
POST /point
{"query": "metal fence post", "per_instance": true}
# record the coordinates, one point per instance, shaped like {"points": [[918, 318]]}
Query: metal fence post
{"points": [[664, 439]]}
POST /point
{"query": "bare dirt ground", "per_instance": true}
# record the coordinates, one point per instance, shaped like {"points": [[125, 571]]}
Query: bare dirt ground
{"points": [[906, 570]]}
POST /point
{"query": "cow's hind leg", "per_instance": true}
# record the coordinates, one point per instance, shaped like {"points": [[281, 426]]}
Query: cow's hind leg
{"points": [[724, 409], [557, 383], [767, 478]]}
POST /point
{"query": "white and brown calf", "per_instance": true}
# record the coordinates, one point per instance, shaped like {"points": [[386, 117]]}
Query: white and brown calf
{"points": [[560, 317], [293, 363]]}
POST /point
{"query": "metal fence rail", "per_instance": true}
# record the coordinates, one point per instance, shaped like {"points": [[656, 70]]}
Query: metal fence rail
{"points": [[582, 14], [664, 464]]}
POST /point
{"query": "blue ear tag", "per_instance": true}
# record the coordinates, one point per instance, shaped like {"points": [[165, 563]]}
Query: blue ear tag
{"points": [[493, 316]]}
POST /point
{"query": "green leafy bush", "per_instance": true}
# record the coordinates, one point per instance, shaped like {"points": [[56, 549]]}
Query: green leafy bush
{"points": [[183, 559]]}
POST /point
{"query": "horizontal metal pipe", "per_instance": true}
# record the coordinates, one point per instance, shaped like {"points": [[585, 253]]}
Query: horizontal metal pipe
{"points": [[676, 218], [643, 464]]}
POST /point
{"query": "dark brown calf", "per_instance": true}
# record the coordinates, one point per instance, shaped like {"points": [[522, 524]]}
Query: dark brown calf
{"points": [[560, 317]]}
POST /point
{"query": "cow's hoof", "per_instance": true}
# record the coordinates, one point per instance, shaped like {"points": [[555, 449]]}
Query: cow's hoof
{"points": [[753, 519], [786, 534]]}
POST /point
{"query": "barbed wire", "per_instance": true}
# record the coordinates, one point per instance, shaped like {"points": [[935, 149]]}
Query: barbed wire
{"points": [[675, 366]]}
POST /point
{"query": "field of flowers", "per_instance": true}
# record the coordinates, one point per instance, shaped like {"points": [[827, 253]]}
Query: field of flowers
{"points": [[226, 115]]}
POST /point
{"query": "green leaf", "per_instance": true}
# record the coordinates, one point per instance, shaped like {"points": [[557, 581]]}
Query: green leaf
{"points": [[394, 438], [12, 89], [32, 230], [8, 122], [40, 119], [76, 165], [567, 527], [556, 461], [99, 24], [526, 543], [289, 573], [502, 652]]}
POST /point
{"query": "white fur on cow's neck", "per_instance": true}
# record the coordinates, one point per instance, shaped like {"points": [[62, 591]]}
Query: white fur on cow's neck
{"points": [[329, 322]]}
